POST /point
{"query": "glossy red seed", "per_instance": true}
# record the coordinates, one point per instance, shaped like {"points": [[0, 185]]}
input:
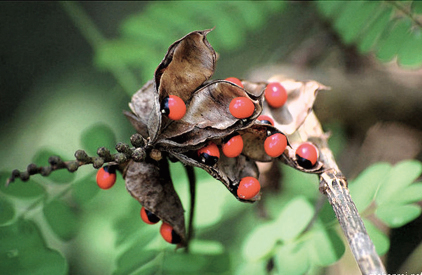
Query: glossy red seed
{"points": [[168, 234], [275, 145], [174, 107], [235, 81], [248, 188], [148, 217], [307, 155], [209, 154], [275, 94], [233, 147], [106, 177], [241, 107], [266, 119]]}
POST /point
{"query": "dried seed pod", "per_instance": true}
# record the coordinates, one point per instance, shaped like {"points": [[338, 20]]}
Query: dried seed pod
{"points": [[300, 100], [149, 182]]}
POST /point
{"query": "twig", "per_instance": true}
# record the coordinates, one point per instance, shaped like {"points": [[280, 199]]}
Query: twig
{"points": [[192, 190], [333, 185]]}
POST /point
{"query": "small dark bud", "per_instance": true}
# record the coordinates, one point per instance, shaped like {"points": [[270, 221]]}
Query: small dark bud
{"points": [[120, 158], [138, 154], [45, 171], [24, 176], [72, 166], [32, 169], [137, 140], [98, 163], [16, 173], [104, 153], [54, 160], [81, 155], [123, 148]]}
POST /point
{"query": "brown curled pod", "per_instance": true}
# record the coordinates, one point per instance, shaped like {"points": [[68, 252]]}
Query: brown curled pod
{"points": [[301, 96], [150, 183]]}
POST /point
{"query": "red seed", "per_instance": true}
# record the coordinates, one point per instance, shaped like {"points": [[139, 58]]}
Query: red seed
{"points": [[241, 107], [248, 188], [275, 145], [168, 234], [266, 119], [275, 94], [174, 107], [148, 217], [209, 154], [233, 147], [307, 155], [235, 81], [106, 177]]}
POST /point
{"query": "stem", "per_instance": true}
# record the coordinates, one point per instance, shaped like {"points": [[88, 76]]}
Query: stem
{"points": [[334, 186], [192, 189]]}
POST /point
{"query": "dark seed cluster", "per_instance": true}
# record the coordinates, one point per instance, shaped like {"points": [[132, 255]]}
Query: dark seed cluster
{"points": [[124, 153]]}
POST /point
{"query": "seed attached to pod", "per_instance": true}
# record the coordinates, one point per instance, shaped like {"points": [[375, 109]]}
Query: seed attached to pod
{"points": [[232, 145], [173, 107], [148, 217], [275, 95], [235, 81], [307, 155], [209, 154], [168, 234], [275, 145], [241, 107], [266, 119], [106, 177], [248, 188]]}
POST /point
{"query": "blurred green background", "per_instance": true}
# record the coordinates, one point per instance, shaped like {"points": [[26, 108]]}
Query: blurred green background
{"points": [[69, 69]]}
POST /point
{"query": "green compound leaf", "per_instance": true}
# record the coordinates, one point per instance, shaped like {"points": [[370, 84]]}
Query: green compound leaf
{"points": [[293, 219], [85, 189], [170, 262], [146, 36], [365, 186], [252, 268], [260, 242], [352, 19], [292, 259], [23, 251], [374, 29], [27, 189], [397, 215], [325, 247], [58, 176], [411, 194], [390, 44], [410, 54], [98, 135], [380, 240], [416, 7], [400, 177], [61, 218], [7, 210], [390, 29]]}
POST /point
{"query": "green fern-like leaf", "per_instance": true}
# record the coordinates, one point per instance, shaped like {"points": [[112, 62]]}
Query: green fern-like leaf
{"points": [[389, 29]]}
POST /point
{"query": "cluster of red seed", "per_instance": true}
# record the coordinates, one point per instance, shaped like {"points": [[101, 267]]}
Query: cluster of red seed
{"points": [[240, 107]]}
